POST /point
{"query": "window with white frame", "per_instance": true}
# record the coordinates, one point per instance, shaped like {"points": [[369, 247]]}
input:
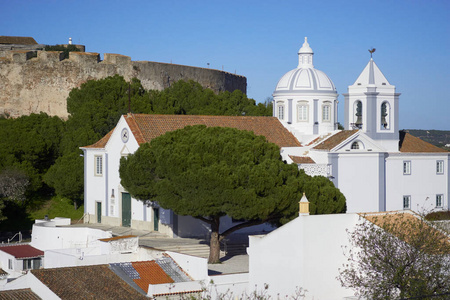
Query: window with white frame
{"points": [[326, 117], [407, 167], [98, 165], [32, 263], [355, 145], [439, 200], [440, 167], [302, 112], [281, 112], [406, 202]]}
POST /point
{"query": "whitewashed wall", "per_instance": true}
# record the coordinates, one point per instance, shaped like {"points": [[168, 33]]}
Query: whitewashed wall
{"points": [[305, 253], [360, 177], [47, 238], [422, 184]]}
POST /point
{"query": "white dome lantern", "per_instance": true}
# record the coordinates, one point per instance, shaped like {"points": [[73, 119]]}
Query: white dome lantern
{"points": [[305, 99], [305, 77]]}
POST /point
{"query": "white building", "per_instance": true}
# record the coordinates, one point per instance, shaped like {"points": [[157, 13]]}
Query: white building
{"points": [[308, 252], [106, 201], [375, 166]]}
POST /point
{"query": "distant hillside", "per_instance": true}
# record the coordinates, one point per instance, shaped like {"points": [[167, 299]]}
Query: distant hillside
{"points": [[438, 138]]}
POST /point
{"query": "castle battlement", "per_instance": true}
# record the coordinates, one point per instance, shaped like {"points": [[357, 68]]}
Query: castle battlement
{"points": [[34, 80]]}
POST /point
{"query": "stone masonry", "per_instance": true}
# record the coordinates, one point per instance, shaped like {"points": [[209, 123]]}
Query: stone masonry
{"points": [[33, 81]]}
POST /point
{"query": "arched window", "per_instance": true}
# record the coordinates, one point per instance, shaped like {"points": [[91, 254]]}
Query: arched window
{"points": [[302, 111], [355, 145], [326, 112], [281, 112], [385, 115], [358, 114]]}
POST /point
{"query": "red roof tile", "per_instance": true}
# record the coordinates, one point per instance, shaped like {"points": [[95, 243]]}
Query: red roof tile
{"points": [[87, 282], [22, 251], [302, 159], [146, 127], [21, 294], [410, 143], [102, 142], [150, 273], [19, 40], [335, 140]]}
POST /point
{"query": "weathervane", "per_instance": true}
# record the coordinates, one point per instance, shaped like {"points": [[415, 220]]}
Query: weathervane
{"points": [[371, 52]]}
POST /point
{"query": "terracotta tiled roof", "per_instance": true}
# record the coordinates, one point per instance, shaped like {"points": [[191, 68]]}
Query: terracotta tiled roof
{"points": [[22, 294], [152, 126], [22, 251], [18, 40], [410, 143], [382, 219], [102, 142], [87, 282], [335, 140], [150, 273], [302, 159], [146, 127]]}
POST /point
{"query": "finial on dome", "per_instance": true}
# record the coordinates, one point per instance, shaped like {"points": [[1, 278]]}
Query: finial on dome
{"points": [[372, 51], [305, 56]]}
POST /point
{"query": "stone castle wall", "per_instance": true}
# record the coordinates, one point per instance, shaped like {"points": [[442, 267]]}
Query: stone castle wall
{"points": [[40, 81]]}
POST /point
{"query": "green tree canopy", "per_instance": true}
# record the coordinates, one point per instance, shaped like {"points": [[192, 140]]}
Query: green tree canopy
{"points": [[96, 106], [30, 144], [210, 172]]}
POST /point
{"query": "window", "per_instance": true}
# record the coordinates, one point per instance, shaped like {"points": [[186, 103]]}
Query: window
{"points": [[326, 113], [10, 264], [98, 165], [33, 263], [439, 200], [407, 167], [440, 167], [355, 145], [302, 112], [281, 112], [406, 202]]}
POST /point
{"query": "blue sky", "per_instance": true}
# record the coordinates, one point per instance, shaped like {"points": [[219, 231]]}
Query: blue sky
{"points": [[260, 40]]}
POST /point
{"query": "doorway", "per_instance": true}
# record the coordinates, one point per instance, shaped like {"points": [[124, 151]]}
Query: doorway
{"points": [[126, 210]]}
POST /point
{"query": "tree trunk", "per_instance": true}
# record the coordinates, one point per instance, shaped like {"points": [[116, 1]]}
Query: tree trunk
{"points": [[214, 243]]}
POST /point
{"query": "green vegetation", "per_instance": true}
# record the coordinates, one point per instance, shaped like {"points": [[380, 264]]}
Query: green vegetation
{"points": [[66, 49], [439, 138], [210, 172], [40, 154], [58, 207]]}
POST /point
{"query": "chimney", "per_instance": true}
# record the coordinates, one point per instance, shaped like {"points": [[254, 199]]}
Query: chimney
{"points": [[304, 206]]}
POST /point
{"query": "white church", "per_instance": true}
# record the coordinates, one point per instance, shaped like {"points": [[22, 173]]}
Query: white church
{"points": [[375, 166]]}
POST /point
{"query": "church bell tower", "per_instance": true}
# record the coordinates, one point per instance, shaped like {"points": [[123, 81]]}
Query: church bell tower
{"points": [[372, 106]]}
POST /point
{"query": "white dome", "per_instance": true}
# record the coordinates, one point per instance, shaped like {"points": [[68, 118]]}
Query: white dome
{"points": [[305, 78]]}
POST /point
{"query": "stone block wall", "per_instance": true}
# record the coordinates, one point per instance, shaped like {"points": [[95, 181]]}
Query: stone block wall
{"points": [[40, 81]]}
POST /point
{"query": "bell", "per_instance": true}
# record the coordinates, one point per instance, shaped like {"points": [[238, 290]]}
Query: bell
{"points": [[359, 122], [383, 122]]}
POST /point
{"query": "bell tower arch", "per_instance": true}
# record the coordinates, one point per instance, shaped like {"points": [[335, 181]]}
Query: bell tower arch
{"points": [[372, 105]]}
